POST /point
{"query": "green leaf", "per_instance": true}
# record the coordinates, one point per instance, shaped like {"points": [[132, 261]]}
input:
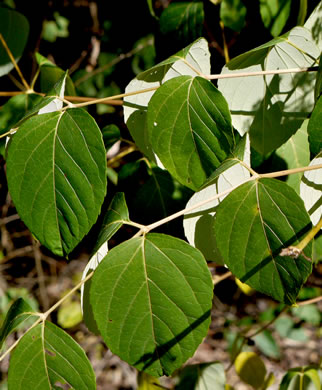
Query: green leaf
{"points": [[233, 14], [12, 25], [272, 107], [318, 83], [253, 224], [117, 213], [183, 21], [46, 357], [313, 24], [86, 306], [190, 60], [111, 134], [296, 153], [190, 128], [198, 224], [147, 382], [266, 343], [308, 313], [56, 171], [301, 378], [19, 312], [315, 128], [250, 368], [202, 377], [69, 314], [151, 298], [311, 190], [275, 14]]}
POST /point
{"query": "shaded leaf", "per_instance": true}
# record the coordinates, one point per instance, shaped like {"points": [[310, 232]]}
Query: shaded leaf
{"points": [[190, 128], [45, 356], [202, 376], [198, 224], [301, 378], [318, 83], [313, 23], [275, 14], [315, 128], [12, 24], [151, 298], [296, 153], [272, 107], [253, 224], [233, 14], [56, 171], [19, 311], [117, 213], [311, 190], [266, 343], [182, 22]]}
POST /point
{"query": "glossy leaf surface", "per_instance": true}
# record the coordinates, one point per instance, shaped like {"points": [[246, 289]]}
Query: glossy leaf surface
{"points": [[56, 170], [190, 128], [151, 298], [254, 223], [46, 357]]}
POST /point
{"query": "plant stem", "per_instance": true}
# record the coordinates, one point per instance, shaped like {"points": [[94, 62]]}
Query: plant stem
{"points": [[302, 244], [217, 279], [227, 59], [261, 73], [310, 301], [4, 43]]}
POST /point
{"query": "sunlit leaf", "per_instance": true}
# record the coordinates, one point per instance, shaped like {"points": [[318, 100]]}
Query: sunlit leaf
{"points": [[190, 128], [56, 171], [250, 368], [45, 357], [311, 190], [272, 107], [198, 224], [255, 222], [151, 298]]}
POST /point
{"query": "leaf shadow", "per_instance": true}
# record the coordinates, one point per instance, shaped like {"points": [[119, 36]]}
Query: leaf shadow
{"points": [[149, 358], [291, 283]]}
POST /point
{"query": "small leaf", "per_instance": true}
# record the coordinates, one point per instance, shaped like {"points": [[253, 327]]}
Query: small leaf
{"points": [[233, 14], [12, 24], [311, 190], [315, 128], [19, 312], [275, 14], [190, 128], [266, 343], [308, 313], [253, 224], [45, 356], [147, 382], [250, 368], [56, 171], [69, 314], [151, 298], [296, 153], [117, 213], [198, 224], [202, 377]]}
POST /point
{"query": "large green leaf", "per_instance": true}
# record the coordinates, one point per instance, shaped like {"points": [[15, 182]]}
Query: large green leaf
{"points": [[183, 21], [275, 14], [19, 312], [190, 128], [311, 190], [296, 154], [12, 25], [253, 224], [47, 358], [272, 107], [151, 298], [315, 128], [199, 222], [56, 170], [189, 61]]}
